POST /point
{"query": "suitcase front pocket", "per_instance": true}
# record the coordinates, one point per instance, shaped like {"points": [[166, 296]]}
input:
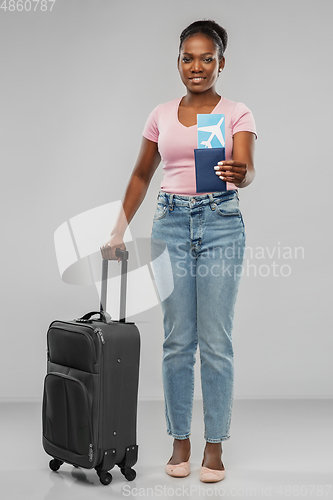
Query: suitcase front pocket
{"points": [[67, 415], [72, 346]]}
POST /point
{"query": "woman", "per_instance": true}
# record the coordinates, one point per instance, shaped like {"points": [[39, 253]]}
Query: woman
{"points": [[205, 239]]}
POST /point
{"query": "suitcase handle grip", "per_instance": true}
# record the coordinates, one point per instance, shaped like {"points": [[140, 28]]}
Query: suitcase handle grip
{"points": [[104, 316], [123, 254]]}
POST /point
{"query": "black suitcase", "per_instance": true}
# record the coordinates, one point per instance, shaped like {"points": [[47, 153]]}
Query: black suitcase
{"points": [[90, 390]]}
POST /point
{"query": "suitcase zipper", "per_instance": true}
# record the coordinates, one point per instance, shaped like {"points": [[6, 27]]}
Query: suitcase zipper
{"points": [[91, 452], [100, 333]]}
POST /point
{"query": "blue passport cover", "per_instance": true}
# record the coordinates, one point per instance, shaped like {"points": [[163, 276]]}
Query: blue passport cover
{"points": [[206, 178]]}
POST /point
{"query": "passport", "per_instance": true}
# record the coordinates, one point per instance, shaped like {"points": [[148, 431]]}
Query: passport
{"points": [[206, 178], [211, 150]]}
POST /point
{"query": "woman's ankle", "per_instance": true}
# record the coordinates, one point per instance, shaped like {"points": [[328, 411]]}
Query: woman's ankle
{"points": [[181, 451], [212, 456]]}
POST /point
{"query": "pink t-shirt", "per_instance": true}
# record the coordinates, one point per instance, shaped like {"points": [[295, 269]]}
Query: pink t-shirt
{"points": [[176, 143]]}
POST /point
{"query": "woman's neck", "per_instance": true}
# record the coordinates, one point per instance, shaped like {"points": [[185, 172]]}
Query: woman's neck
{"points": [[201, 99]]}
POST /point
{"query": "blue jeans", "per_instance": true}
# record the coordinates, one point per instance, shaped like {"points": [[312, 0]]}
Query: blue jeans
{"points": [[197, 250]]}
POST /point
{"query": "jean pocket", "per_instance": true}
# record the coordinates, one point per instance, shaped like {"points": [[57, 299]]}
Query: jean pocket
{"points": [[228, 207], [161, 211]]}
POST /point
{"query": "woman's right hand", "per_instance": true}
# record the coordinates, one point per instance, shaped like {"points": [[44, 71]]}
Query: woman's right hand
{"points": [[108, 250]]}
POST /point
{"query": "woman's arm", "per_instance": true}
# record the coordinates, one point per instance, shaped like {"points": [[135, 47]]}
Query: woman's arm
{"points": [[240, 170], [144, 169]]}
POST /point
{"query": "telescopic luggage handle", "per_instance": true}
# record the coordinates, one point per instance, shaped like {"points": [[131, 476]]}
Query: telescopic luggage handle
{"points": [[123, 254]]}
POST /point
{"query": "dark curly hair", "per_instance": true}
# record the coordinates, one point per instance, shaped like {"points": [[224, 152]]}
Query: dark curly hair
{"points": [[209, 28]]}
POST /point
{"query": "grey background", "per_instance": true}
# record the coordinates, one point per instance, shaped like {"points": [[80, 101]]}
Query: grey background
{"points": [[77, 85]]}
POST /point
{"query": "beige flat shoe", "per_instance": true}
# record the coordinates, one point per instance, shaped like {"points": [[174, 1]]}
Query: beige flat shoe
{"points": [[178, 470], [211, 475]]}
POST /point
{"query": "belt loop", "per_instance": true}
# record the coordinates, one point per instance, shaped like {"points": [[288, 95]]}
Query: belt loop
{"points": [[212, 201], [171, 202]]}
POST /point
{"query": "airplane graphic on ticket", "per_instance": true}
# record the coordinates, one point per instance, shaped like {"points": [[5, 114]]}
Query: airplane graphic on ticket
{"points": [[211, 131]]}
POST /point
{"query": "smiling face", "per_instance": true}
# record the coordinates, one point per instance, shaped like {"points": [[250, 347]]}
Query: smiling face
{"points": [[199, 64]]}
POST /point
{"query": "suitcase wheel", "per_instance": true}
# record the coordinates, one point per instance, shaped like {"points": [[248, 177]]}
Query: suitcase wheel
{"points": [[55, 464], [104, 477], [129, 473]]}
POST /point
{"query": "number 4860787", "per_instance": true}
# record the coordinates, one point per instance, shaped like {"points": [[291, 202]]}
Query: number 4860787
{"points": [[27, 5]]}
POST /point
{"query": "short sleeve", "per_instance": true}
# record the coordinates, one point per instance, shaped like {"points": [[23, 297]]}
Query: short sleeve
{"points": [[243, 120], [150, 130]]}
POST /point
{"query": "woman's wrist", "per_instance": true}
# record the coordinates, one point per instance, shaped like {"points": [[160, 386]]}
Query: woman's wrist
{"points": [[243, 183], [117, 232], [248, 179]]}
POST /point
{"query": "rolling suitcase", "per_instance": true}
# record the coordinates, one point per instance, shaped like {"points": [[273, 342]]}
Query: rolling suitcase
{"points": [[89, 406]]}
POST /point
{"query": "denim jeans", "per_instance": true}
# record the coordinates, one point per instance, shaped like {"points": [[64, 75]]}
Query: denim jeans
{"points": [[197, 250]]}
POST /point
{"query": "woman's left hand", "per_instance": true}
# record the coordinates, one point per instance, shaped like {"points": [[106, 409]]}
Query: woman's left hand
{"points": [[231, 171]]}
